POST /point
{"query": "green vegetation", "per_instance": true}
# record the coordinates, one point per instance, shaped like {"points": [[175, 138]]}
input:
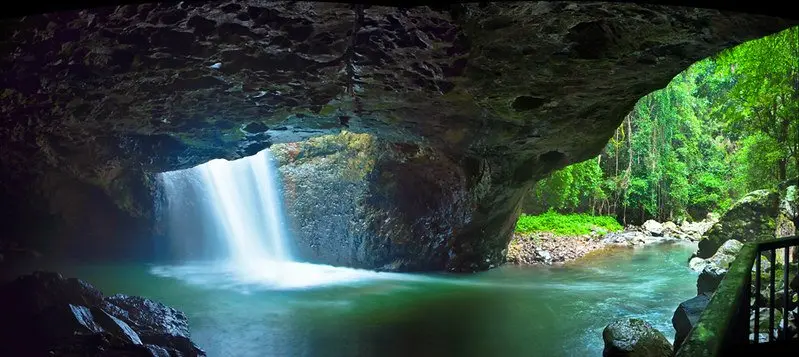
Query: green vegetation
{"points": [[566, 224], [722, 128]]}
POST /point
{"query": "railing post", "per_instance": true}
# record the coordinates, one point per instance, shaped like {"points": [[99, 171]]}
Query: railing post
{"points": [[757, 299], [746, 308], [786, 296], [772, 287]]}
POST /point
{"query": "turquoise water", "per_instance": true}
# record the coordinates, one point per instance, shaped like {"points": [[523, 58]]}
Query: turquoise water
{"points": [[509, 311]]}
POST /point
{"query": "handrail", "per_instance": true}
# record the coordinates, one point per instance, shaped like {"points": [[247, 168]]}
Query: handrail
{"points": [[778, 243], [724, 324], [710, 335]]}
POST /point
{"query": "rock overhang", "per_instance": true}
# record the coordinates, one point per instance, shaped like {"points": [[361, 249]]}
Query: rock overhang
{"points": [[502, 94]]}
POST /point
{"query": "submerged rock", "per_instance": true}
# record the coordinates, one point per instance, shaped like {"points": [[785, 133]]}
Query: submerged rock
{"points": [[46, 313], [751, 219], [634, 338], [686, 317]]}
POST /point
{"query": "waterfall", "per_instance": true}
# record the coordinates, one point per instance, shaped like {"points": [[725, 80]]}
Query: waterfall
{"points": [[226, 227], [229, 209]]}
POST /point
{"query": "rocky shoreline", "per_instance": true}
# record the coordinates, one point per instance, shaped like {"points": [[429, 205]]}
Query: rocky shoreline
{"points": [[544, 248], [760, 215], [45, 314]]}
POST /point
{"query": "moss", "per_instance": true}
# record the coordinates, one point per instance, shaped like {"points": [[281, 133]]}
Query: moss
{"points": [[705, 338], [569, 224], [355, 153], [328, 109]]}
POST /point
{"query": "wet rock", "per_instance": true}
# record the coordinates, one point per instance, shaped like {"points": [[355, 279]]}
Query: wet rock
{"points": [[697, 264], [45, 312], [723, 258], [654, 228], [710, 278], [634, 337], [686, 316], [750, 219]]}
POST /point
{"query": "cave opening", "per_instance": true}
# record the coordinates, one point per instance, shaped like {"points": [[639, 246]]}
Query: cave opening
{"points": [[315, 179]]}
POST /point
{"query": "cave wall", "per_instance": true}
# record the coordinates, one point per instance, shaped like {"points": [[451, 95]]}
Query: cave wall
{"points": [[472, 103]]}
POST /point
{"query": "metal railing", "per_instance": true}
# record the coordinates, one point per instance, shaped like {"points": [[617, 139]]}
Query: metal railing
{"points": [[770, 249], [726, 326]]}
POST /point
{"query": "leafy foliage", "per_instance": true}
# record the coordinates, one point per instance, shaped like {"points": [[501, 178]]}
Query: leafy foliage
{"points": [[566, 224], [725, 126]]}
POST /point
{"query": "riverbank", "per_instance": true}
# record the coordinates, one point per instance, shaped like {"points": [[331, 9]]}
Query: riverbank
{"points": [[546, 248]]}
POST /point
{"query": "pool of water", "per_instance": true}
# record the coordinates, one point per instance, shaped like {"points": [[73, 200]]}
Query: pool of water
{"points": [[508, 311]]}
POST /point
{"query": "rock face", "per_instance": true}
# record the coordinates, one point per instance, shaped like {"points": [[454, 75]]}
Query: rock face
{"points": [[45, 313], [474, 102], [634, 337], [686, 317], [326, 182], [751, 219]]}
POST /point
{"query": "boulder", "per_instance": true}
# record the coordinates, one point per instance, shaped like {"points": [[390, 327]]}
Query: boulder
{"points": [[785, 227], [670, 227], [543, 256], [763, 318], [626, 237], [751, 219], [710, 278], [697, 264], [45, 313], [730, 248], [686, 317], [696, 229], [724, 256], [789, 203], [634, 337], [653, 227]]}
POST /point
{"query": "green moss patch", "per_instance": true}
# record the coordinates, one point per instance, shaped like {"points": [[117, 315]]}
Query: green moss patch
{"points": [[566, 224]]}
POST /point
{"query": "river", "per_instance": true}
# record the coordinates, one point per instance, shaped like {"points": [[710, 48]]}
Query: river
{"points": [[508, 311]]}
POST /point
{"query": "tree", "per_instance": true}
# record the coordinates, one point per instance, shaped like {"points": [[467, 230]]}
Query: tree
{"points": [[723, 127]]}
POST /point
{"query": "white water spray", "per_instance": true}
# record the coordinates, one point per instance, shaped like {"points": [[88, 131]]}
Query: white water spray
{"points": [[225, 219], [239, 207]]}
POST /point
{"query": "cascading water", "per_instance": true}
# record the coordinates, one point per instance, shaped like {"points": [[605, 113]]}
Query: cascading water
{"points": [[225, 217], [242, 208]]}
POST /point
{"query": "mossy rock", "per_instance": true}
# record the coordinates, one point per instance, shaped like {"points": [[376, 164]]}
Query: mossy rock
{"points": [[634, 338], [751, 219]]}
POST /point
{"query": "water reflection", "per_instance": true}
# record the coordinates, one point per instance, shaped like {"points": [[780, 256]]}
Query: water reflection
{"points": [[509, 311]]}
